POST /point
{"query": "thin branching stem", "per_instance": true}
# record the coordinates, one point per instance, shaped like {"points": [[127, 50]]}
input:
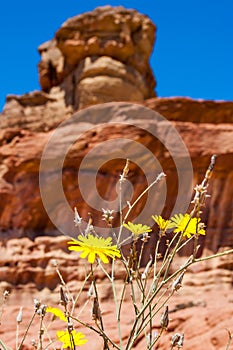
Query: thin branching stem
{"points": [[230, 337], [101, 326], [26, 331], [74, 301], [116, 306], [41, 333], [156, 339], [158, 178]]}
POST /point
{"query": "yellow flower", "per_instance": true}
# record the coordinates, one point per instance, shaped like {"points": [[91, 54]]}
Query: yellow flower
{"points": [[91, 246], [56, 312], [162, 223], [71, 339], [137, 229], [187, 225]]}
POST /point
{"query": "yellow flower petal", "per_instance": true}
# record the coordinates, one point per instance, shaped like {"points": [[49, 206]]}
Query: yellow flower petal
{"points": [[91, 257], [91, 246], [56, 312], [188, 226], [137, 229], [70, 339], [162, 223]]}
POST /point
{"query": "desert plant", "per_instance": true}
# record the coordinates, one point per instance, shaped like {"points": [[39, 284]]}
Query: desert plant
{"points": [[150, 286]]}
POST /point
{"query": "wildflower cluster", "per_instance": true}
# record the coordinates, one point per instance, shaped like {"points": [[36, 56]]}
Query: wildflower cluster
{"points": [[148, 283]]}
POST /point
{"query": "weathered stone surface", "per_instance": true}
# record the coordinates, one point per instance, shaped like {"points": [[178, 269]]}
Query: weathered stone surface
{"points": [[196, 111], [103, 79], [100, 56], [21, 210], [36, 111]]}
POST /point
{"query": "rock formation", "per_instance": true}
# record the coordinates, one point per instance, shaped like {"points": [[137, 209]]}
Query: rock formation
{"points": [[21, 210], [100, 56], [97, 57]]}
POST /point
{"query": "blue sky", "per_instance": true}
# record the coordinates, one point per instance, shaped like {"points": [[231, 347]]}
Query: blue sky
{"points": [[193, 54]]}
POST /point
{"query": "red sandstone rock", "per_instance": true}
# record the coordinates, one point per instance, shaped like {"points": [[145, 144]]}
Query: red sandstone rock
{"points": [[22, 209]]}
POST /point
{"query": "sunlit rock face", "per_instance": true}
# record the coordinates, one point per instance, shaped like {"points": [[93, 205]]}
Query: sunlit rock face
{"points": [[100, 56]]}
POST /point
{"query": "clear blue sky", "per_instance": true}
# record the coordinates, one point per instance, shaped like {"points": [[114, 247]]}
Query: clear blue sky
{"points": [[193, 54]]}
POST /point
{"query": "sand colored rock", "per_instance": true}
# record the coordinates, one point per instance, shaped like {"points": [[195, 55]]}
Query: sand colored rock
{"points": [[100, 56]]}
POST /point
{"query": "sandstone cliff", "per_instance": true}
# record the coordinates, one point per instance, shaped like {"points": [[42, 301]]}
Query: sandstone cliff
{"points": [[94, 53]]}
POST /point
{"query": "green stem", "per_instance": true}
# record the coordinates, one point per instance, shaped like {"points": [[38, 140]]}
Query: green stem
{"points": [[41, 334], [74, 301], [98, 331], [116, 306], [143, 193], [171, 256], [3, 346], [230, 337], [158, 178], [120, 210], [156, 339], [103, 334], [150, 315]]}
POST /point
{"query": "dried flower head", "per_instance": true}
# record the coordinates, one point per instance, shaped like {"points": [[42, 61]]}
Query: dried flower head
{"points": [[177, 283], [19, 317], [77, 218], [164, 321], [178, 340], [37, 304], [54, 263], [42, 310], [145, 237], [90, 292], [125, 171], [107, 216], [96, 313], [6, 293], [63, 297]]}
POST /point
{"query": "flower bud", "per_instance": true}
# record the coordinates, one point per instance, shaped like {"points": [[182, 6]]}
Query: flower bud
{"points": [[177, 283], [178, 340], [19, 316], [164, 321]]}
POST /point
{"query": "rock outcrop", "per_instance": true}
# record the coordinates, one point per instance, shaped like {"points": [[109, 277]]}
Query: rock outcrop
{"points": [[21, 209], [100, 56]]}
